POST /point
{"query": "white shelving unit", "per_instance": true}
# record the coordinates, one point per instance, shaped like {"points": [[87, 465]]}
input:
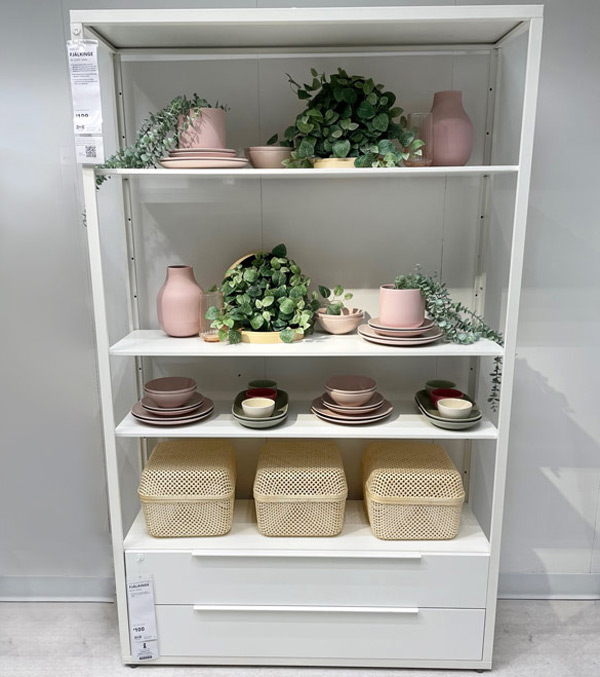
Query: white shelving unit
{"points": [[351, 600]]}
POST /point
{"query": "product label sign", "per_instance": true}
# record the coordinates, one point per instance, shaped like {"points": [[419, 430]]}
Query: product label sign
{"points": [[142, 619], [85, 86]]}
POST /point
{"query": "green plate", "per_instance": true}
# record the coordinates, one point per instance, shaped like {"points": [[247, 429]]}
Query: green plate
{"points": [[281, 406], [424, 403]]}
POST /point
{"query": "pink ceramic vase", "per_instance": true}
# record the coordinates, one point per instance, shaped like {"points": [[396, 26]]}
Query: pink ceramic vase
{"points": [[452, 130], [207, 129], [178, 302], [402, 308]]}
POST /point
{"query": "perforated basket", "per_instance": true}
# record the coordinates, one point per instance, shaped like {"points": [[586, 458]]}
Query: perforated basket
{"points": [[188, 488], [300, 488], [412, 491]]}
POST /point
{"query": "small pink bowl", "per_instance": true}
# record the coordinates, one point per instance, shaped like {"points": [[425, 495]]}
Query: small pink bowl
{"points": [[443, 393], [271, 393]]}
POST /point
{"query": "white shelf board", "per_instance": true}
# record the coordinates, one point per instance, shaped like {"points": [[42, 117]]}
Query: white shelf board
{"points": [[404, 423], [354, 173], [304, 27], [155, 343], [356, 539]]}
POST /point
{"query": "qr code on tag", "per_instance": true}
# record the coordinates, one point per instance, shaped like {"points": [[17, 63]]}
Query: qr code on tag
{"points": [[90, 151]]}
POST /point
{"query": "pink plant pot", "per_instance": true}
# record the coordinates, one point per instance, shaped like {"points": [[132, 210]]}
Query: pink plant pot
{"points": [[207, 129], [178, 302], [403, 308], [452, 130]]}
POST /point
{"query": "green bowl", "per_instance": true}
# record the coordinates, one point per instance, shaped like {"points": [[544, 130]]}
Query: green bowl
{"points": [[438, 383], [262, 383]]}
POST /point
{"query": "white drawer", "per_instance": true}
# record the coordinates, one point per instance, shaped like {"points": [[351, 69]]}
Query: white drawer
{"points": [[429, 580], [392, 634]]}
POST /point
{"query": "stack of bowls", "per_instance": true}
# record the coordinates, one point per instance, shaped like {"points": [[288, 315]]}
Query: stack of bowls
{"points": [[172, 400], [351, 400], [262, 405], [446, 407]]}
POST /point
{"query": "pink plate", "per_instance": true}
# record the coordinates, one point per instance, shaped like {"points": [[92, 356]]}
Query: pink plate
{"points": [[150, 406], [369, 334], [204, 163], [148, 417], [318, 408], [398, 332], [210, 151], [374, 403]]}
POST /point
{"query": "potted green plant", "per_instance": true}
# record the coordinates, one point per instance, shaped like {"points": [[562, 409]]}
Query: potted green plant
{"points": [[266, 300], [162, 131], [334, 316], [458, 322], [351, 119]]}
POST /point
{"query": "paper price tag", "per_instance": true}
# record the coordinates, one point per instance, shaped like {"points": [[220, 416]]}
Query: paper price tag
{"points": [[85, 86], [142, 619]]}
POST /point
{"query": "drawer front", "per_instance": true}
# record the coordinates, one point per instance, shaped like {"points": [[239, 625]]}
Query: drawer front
{"points": [[427, 634], [458, 581]]}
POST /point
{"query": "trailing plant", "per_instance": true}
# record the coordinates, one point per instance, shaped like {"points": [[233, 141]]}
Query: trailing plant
{"points": [[458, 322], [158, 135], [334, 300], [266, 293], [348, 116]]}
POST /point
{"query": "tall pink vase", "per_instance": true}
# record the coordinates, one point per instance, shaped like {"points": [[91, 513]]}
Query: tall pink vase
{"points": [[178, 302], [452, 130], [207, 129]]}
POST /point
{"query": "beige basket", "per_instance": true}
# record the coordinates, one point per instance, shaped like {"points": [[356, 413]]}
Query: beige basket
{"points": [[188, 488], [412, 491], [300, 488]]}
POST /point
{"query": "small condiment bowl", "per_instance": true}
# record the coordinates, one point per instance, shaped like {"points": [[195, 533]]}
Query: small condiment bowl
{"points": [[269, 393], [262, 383], [453, 407], [438, 383], [442, 393], [258, 407]]}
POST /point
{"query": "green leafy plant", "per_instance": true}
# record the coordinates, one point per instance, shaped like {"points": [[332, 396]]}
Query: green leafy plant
{"points": [[348, 116], [275, 141], [334, 300], [458, 322], [265, 293], [158, 135]]}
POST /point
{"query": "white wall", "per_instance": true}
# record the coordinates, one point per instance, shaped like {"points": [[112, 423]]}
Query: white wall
{"points": [[53, 520]]}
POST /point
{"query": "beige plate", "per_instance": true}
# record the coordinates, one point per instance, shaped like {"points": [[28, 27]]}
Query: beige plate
{"points": [[266, 337], [318, 408], [369, 334], [204, 163], [374, 403]]}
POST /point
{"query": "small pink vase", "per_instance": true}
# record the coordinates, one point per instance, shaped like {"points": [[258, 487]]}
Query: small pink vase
{"points": [[207, 129], [404, 308], [178, 302], [452, 130]]}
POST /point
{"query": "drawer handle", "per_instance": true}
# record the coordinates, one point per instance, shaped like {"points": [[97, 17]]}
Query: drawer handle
{"points": [[311, 609], [349, 554]]}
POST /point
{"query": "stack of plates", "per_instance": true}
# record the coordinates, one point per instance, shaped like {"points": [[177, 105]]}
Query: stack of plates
{"points": [[190, 406], [376, 332], [203, 158], [433, 415], [351, 400], [278, 416]]}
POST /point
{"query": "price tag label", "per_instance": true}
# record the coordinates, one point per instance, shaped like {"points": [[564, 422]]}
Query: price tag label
{"points": [[85, 86], [142, 619]]}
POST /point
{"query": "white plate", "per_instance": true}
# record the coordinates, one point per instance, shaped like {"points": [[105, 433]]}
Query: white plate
{"points": [[382, 330], [204, 163], [369, 334]]}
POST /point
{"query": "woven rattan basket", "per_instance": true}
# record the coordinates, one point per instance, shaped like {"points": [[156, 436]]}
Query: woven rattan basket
{"points": [[187, 488], [412, 491], [300, 488]]}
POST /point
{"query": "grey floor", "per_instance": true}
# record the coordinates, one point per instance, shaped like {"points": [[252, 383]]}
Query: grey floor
{"points": [[534, 638]]}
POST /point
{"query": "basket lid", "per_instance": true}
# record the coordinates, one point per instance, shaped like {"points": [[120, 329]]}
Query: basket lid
{"points": [[306, 470], [407, 471], [189, 469]]}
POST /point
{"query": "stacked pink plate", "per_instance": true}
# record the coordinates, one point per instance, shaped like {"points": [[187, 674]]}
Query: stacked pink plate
{"points": [[351, 400], [172, 400], [376, 332], [203, 158]]}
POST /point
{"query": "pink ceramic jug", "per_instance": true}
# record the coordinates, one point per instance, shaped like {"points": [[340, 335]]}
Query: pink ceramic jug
{"points": [[401, 308], [452, 130], [206, 131], [178, 302]]}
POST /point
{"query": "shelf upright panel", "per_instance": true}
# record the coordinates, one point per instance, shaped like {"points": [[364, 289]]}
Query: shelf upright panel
{"points": [[532, 68]]}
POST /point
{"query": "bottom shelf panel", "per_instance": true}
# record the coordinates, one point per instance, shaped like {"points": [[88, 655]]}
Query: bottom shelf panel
{"points": [[266, 635]]}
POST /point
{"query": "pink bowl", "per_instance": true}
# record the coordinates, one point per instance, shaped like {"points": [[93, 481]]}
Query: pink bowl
{"points": [[351, 383], [442, 393], [270, 393]]}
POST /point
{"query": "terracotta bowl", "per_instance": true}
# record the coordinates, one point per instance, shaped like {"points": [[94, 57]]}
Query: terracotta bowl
{"points": [[171, 391], [340, 324], [269, 393], [442, 393], [267, 157]]}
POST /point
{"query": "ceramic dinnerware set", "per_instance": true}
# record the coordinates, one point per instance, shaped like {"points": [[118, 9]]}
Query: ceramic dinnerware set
{"points": [[351, 400], [261, 405], [446, 407], [172, 400], [377, 332]]}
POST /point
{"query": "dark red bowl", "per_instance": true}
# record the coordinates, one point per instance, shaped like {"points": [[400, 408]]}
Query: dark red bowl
{"points": [[441, 393], [271, 393]]}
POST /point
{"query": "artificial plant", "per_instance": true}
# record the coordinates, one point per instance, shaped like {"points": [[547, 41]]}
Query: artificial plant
{"points": [[158, 135], [265, 293], [333, 301], [348, 116], [458, 322]]}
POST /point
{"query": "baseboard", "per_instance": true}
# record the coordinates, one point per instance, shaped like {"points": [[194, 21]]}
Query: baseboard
{"points": [[56, 589], [549, 586]]}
